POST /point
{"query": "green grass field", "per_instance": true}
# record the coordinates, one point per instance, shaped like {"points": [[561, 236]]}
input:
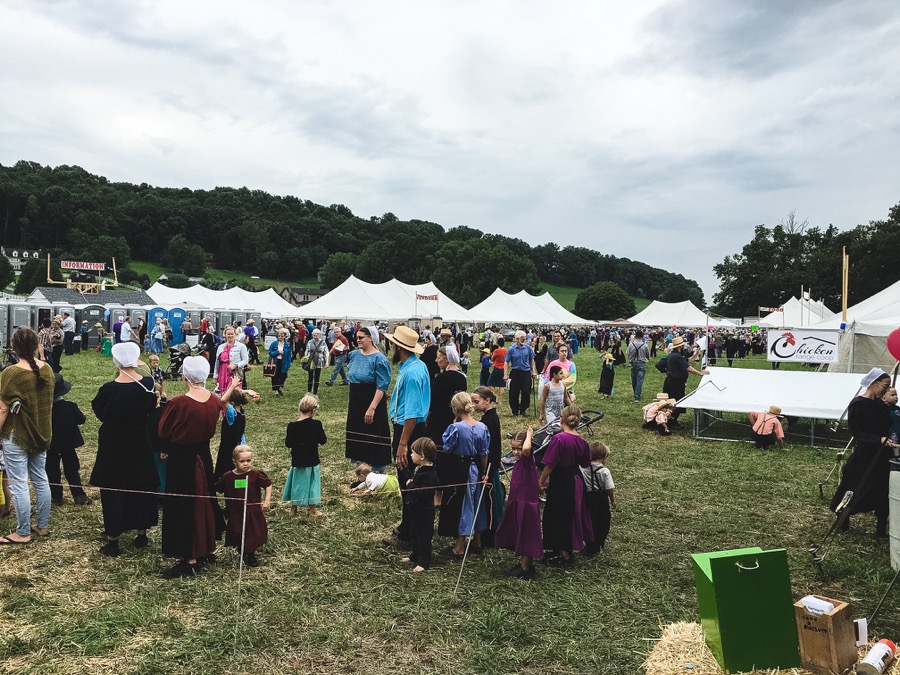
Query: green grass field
{"points": [[329, 598], [154, 270]]}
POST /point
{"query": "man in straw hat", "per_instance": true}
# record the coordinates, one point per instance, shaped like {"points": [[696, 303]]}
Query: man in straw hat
{"points": [[678, 368], [767, 429], [409, 408]]}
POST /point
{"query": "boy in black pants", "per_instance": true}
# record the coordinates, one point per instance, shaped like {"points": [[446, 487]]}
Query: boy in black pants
{"points": [[420, 499], [66, 418]]}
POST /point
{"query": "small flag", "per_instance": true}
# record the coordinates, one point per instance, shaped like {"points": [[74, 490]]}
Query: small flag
{"points": [[240, 483]]}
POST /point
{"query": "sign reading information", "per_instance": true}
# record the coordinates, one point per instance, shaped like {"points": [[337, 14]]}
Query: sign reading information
{"points": [[87, 266], [803, 346]]}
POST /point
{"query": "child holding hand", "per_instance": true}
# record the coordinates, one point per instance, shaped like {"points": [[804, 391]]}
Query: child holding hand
{"points": [[304, 481], [245, 481], [520, 529], [420, 498]]}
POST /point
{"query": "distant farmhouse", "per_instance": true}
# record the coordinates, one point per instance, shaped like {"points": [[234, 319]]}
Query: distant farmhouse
{"points": [[301, 296], [18, 257]]}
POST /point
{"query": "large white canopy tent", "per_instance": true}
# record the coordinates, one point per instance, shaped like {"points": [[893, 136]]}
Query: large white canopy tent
{"points": [[502, 307], [797, 314], [681, 314], [268, 303], [524, 309], [815, 396], [566, 317], [390, 301], [864, 344]]}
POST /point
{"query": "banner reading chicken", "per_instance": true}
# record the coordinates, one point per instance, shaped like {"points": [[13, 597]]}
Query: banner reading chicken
{"points": [[803, 346]]}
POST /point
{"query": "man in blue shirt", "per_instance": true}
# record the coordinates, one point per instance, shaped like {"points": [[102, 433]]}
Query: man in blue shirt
{"points": [[409, 408], [520, 371]]}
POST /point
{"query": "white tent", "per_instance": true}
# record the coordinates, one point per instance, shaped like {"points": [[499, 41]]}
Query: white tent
{"points": [[797, 314], [566, 317], [681, 314], [869, 322], [267, 302], [501, 307], [390, 301], [523, 308], [819, 395]]}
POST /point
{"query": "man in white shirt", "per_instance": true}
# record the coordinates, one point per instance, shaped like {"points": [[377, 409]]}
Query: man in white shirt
{"points": [[127, 334], [68, 326]]}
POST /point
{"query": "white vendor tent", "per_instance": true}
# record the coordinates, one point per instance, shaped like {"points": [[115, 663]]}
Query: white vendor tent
{"points": [[549, 303], [864, 344], [681, 314], [268, 303], [818, 395], [501, 307], [797, 314], [725, 396], [390, 301]]}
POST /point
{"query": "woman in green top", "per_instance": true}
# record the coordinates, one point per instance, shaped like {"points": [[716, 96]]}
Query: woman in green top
{"points": [[26, 402]]}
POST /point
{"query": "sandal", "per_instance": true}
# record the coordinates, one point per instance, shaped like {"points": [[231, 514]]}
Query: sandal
{"points": [[449, 551], [39, 532], [6, 541]]}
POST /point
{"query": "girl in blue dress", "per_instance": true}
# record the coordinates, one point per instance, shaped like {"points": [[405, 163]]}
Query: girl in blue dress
{"points": [[470, 441]]}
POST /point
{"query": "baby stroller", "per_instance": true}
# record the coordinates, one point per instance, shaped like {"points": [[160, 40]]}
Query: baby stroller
{"points": [[541, 438], [177, 355]]}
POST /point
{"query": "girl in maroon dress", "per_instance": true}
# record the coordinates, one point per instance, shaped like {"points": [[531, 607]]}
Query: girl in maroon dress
{"points": [[520, 528], [191, 524], [567, 523], [245, 481]]}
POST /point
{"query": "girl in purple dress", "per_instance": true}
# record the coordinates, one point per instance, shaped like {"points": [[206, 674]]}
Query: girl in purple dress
{"points": [[567, 523], [520, 528]]}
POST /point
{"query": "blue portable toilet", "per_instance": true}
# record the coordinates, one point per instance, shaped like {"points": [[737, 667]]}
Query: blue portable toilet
{"points": [[176, 318]]}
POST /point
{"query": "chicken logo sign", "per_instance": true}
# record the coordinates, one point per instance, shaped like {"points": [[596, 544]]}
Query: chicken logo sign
{"points": [[804, 346]]}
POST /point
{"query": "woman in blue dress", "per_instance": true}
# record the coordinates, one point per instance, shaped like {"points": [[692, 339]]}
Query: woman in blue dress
{"points": [[470, 441], [368, 437]]}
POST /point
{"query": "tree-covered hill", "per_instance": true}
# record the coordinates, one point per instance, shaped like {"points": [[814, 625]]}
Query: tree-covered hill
{"points": [[73, 213]]}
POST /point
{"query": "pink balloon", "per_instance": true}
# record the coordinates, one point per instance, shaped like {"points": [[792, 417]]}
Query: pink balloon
{"points": [[893, 343]]}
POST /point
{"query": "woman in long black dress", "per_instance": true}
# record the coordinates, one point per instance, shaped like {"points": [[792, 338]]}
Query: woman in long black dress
{"points": [[191, 525], [124, 456], [867, 470], [368, 427]]}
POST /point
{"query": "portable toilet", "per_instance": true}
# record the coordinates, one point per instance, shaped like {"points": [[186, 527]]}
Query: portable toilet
{"points": [[195, 315], [42, 312], [19, 314], [242, 317], [4, 319], [111, 314], [155, 313], [92, 314], [137, 314], [257, 317], [59, 308], [176, 318], [223, 318]]}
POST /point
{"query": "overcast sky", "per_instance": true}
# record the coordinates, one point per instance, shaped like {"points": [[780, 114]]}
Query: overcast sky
{"points": [[659, 131]]}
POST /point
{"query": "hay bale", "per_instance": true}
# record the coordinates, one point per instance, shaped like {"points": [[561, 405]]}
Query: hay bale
{"points": [[682, 650]]}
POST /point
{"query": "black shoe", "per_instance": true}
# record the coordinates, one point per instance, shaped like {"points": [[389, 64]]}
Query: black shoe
{"points": [[559, 561], [82, 500], [111, 548], [396, 542], [529, 574], [56, 502], [250, 560], [209, 559], [141, 541], [329, 384], [516, 572], [181, 569]]}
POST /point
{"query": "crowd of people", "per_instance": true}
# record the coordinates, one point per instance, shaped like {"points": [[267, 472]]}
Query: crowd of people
{"points": [[432, 441]]}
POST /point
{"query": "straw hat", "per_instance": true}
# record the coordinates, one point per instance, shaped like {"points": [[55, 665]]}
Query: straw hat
{"points": [[662, 397], [677, 342], [774, 410], [406, 338], [485, 351]]}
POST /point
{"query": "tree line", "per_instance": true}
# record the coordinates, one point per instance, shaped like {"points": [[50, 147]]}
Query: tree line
{"points": [[779, 260], [73, 213]]}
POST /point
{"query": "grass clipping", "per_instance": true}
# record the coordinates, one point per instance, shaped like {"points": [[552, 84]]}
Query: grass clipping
{"points": [[682, 650]]}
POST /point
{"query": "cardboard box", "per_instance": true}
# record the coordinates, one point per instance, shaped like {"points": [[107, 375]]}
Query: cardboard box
{"points": [[827, 641]]}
